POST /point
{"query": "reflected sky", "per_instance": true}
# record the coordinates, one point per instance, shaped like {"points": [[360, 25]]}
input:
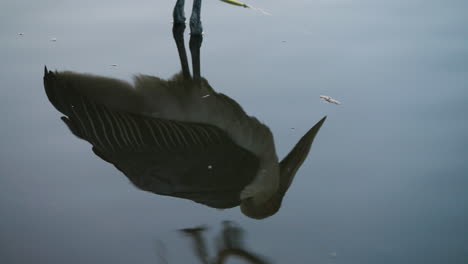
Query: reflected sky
{"points": [[385, 183]]}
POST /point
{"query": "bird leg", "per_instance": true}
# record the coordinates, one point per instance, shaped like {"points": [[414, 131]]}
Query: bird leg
{"points": [[178, 14], [195, 44], [178, 33], [195, 19]]}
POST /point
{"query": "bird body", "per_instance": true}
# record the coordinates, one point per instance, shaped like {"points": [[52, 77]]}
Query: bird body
{"points": [[178, 99], [173, 100]]}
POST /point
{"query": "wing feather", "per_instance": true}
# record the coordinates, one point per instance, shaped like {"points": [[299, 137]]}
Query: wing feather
{"points": [[188, 160]]}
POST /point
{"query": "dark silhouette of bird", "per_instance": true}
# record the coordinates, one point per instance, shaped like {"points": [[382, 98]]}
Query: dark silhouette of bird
{"points": [[179, 137]]}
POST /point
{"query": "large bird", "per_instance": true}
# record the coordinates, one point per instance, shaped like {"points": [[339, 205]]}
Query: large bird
{"points": [[179, 137]]}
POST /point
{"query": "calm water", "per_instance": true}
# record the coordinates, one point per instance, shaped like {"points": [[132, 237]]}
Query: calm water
{"points": [[387, 177]]}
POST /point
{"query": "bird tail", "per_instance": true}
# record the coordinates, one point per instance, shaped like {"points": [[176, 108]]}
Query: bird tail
{"points": [[63, 97], [60, 93]]}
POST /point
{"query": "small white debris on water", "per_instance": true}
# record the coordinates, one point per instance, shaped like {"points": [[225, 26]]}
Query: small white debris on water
{"points": [[53, 39], [333, 254], [210, 167], [205, 96], [329, 99]]}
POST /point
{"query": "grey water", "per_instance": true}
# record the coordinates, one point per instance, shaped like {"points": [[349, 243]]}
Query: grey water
{"points": [[386, 180]]}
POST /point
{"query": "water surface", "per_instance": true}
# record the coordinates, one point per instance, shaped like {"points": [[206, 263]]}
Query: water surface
{"points": [[385, 181]]}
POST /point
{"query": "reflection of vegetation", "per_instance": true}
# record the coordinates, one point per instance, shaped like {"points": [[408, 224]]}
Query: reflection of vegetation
{"points": [[230, 242], [161, 252], [237, 3]]}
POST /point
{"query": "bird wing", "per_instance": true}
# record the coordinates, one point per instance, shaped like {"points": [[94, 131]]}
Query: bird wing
{"points": [[182, 159]]}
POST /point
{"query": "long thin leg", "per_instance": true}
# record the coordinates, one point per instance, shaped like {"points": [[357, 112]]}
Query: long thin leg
{"points": [[195, 44], [178, 33], [178, 14], [195, 19]]}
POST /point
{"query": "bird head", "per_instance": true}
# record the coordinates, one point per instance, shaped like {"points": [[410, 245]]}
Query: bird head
{"points": [[288, 168]]}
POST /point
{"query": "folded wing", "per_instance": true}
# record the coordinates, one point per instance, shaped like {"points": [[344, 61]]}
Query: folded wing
{"points": [[182, 159]]}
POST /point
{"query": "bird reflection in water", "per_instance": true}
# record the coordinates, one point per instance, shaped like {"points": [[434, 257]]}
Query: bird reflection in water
{"points": [[230, 243], [179, 137]]}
